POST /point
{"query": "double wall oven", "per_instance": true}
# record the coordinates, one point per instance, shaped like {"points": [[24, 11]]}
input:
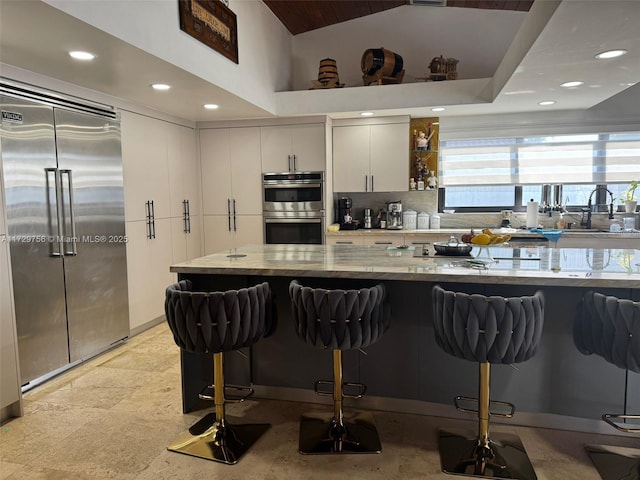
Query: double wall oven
{"points": [[293, 207]]}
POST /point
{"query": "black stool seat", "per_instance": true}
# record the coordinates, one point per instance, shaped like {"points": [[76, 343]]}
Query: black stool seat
{"points": [[488, 330], [211, 323], [609, 327], [339, 320]]}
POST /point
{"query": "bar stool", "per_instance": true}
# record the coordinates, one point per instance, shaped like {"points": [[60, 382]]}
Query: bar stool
{"points": [[212, 323], [610, 327], [339, 320], [488, 330]]}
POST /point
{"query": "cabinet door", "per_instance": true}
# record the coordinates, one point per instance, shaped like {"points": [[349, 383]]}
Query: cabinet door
{"points": [[308, 147], [276, 149], [177, 173], [389, 153], [194, 239], [350, 158], [249, 230], [343, 240], [246, 177], [148, 274], [191, 170], [383, 240], [217, 237], [144, 163], [216, 171], [9, 382]]}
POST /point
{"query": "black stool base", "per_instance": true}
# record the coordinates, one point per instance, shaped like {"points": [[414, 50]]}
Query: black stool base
{"points": [[226, 445], [361, 436], [615, 463], [458, 457]]}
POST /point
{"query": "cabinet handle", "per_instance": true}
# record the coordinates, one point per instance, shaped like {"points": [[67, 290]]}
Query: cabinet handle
{"points": [[229, 212], [234, 215], [186, 216], [295, 166], [289, 163], [366, 183], [372, 183], [343, 242], [151, 220], [383, 243]]}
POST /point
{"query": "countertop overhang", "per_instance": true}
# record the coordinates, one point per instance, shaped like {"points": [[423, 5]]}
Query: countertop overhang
{"points": [[538, 265]]}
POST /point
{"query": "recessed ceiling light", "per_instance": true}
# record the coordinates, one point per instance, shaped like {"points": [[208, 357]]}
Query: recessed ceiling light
{"points": [[438, 109], [571, 84], [161, 86], [79, 55], [611, 54], [210, 106], [547, 102], [366, 114]]}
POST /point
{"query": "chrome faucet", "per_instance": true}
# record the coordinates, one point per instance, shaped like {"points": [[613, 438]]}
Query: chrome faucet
{"points": [[587, 223]]}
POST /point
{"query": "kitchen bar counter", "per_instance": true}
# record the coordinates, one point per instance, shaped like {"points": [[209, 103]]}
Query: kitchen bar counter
{"points": [[519, 233], [534, 265], [406, 371]]}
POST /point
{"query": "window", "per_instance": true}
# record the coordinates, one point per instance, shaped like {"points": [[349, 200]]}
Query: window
{"points": [[507, 172]]}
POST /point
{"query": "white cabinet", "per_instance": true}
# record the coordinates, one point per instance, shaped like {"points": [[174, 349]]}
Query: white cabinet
{"points": [[371, 158], [289, 148], [160, 165], [184, 193], [144, 165], [148, 275], [231, 188]]}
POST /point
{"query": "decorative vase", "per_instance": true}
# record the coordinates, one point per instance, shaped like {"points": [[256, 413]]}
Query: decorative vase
{"points": [[630, 206]]}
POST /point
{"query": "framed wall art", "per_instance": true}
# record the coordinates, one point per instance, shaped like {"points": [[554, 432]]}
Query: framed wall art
{"points": [[212, 23]]}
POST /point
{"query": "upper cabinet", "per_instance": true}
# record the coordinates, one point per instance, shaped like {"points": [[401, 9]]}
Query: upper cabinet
{"points": [[145, 167], [371, 157], [231, 186], [293, 148]]}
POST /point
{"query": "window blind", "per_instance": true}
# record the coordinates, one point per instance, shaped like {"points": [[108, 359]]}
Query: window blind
{"points": [[588, 158]]}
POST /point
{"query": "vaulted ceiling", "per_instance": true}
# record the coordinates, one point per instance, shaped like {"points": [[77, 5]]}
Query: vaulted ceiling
{"points": [[300, 16]]}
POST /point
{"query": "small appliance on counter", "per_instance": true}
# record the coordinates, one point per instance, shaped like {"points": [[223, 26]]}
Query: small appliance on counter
{"points": [[506, 218], [345, 214], [367, 218], [394, 215]]}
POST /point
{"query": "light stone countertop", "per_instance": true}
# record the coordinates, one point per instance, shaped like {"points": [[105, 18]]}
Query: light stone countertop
{"points": [[535, 265], [519, 233]]}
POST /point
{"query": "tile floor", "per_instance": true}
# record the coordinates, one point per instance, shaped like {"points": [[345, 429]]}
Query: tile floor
{"points": [[113, 417]]}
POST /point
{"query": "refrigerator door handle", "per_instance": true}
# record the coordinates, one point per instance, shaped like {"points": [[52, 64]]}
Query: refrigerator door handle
{"points": [[72, 216], [55, 236]]}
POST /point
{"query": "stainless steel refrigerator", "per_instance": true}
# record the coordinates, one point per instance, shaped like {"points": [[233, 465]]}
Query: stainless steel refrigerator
{"points": [[64, 194]]}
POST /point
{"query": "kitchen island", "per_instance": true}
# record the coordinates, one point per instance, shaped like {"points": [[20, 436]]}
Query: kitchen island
{"points": [[406, 371]]}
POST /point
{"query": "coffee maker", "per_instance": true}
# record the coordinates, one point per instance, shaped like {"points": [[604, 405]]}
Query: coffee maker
{"points": [[394, 215], [345, 214]]}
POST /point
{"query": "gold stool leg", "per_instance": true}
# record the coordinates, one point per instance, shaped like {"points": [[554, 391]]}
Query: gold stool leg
{"points": [[212, 437], [502, 456], [358, 434]]}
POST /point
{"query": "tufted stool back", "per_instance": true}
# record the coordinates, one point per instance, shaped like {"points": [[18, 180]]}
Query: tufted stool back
{"points": [[213, 322], [339, 319], [488, 328], [609, 327]]}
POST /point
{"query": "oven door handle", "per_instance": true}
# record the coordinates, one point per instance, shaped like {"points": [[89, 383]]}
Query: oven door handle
{"points": [[292, 185], [292, 220]]}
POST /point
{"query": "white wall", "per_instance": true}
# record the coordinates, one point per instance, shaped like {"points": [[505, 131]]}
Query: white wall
{"points": [[264, 45], [417, 33]]}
